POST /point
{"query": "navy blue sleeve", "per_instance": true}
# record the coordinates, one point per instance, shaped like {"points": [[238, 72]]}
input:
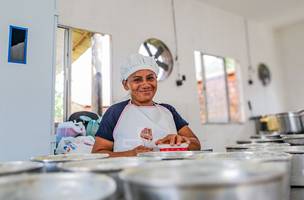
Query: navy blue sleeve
{"points": [[178, 120], [109, 121]]}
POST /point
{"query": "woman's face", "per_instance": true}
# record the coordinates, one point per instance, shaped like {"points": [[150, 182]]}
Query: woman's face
{"points": [[142, 85]]}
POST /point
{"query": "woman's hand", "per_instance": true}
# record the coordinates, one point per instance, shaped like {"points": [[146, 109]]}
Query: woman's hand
{"points": [[139, 149], [173, 139]]}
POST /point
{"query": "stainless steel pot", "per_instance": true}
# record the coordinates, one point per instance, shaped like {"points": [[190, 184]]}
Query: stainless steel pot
{"points": [[297, 168], [282, 160], [59, 186], [109, 166], [51, 161], [208, 180], [289, 122], [15, 167], [297, 162]]}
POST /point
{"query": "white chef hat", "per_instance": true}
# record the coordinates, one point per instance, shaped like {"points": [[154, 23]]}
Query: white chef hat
{"points": [[137, 62]]}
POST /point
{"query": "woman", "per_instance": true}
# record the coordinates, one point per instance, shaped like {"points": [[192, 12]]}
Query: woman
{"points": [[139, 124]]}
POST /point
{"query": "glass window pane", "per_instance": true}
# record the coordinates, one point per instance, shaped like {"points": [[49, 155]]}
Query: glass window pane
{"points": [[233, 90], [81, 71], [216, 93], [59, 84], [200, 82]]}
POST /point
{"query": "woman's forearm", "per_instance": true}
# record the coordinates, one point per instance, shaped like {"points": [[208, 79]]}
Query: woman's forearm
{"points": [[194, 144]]}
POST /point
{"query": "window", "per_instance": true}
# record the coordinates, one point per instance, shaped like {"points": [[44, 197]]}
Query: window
{"points": [[217, 88], [82, 72]]}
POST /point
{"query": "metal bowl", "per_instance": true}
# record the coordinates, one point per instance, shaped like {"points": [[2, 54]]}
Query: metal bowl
{"points": [[59, 186], [15, 167], [51, 161], [196, 180]]}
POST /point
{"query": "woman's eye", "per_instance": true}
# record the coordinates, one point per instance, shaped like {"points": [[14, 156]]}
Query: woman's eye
{"points": [[136, 80], [150, 78]]}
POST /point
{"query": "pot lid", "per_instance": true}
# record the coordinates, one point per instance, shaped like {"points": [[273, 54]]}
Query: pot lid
{"points": [[289, 149], [105, 165], [69, 157], [170, 155], [259, 156], [293, 136]]}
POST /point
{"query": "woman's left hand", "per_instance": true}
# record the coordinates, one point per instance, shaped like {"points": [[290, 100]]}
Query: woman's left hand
{"points": [[173, 139]]}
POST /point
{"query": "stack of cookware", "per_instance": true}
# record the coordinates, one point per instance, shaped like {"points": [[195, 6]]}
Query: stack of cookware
{"points": [[179, 175]]}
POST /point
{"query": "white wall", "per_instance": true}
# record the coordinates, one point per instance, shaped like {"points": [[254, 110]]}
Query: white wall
{"points": [[26, 90], [291, 48], [199, 27]]}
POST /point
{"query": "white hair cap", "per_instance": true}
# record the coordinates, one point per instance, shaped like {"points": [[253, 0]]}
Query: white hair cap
{"points": [[135, 63]]}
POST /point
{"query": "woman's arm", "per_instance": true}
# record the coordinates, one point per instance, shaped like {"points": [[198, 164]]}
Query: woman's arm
{"points": [[102, 145], [194, 141]]}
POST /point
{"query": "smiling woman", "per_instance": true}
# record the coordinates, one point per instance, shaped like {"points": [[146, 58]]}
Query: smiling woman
{"points": [[139, 124]]}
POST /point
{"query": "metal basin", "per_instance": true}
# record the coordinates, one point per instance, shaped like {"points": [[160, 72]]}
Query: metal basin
{"points": [[51, 161], [15, 167], [208, 180], [109, 166], [170, 155], [59, 186]]}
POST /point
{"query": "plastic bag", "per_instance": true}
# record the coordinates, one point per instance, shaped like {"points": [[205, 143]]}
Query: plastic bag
{"points": [[92, 127], [69, 129], [81, 144]]}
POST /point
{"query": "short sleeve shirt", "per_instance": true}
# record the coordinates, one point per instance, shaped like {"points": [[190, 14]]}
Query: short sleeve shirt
{"points": [[111, 117]]}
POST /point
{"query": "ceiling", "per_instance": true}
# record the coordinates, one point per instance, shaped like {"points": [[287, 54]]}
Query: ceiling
{"points": [[276, 13]]}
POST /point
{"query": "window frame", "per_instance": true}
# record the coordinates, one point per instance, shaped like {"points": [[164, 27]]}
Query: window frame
{"points": [[204, 89], [68, 72]]}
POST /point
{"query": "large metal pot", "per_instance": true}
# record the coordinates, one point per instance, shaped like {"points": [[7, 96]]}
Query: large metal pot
{"points": [[208, 180], [59, 186], [289, 122], [15, 167], [297, 168], [301, 115], [282, 160], [51, 161], [109, 166]]}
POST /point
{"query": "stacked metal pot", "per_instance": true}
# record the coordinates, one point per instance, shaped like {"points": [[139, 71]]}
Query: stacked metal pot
{"points": [[29, 180], [293, 145]]}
